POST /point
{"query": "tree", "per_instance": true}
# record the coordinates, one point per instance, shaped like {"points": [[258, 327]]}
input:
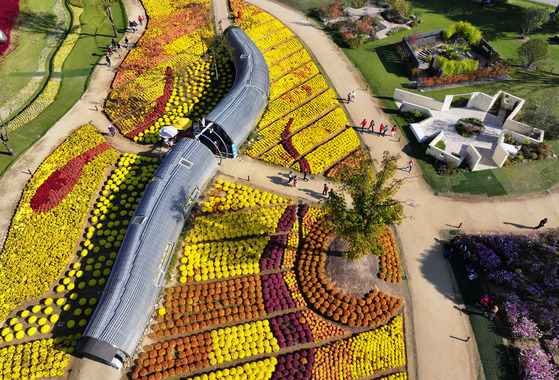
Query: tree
{"points": [[545, 113], [532, 18], [106, 5], [534, 50], [373, 206]]}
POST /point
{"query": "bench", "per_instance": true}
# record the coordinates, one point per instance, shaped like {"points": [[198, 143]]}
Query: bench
{"points": [[418, 132]]}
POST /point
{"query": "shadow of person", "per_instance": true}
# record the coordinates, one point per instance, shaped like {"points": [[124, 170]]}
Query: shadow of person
{"points": [[519, 225]]}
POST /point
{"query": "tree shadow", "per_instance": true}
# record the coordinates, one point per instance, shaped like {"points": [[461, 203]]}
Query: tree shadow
{"points": [[43, 23]]}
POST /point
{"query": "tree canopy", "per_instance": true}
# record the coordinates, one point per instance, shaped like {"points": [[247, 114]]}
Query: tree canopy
{"points": [[532, 18], [533, 50], [373, 205]]}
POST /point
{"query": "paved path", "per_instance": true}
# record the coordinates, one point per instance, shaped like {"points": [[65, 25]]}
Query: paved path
{"points": [[431, 317]]}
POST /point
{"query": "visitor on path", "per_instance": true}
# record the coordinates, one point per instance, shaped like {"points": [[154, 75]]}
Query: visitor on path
{"points": [[109, 51], [493, 312], [118, 47], [348, 98], [380, 129], [410, 166], [363, 124], [290, 176], [239, 15], [325, 190], [372, 125], [384, 130], [393, 131], [113, 42], [455, 239], [140, 19], [295, 181], [112, 130], [127, 43], [108, 60], [543, 222], [352, 93], [305, 172]]}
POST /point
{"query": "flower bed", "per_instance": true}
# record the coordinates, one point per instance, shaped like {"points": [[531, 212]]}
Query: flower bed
{"points": [[38, 359], [280, 143], [36, 248], [230, 196], [9, 12], [351, 161], [523, 270], [68, 305], [389, 261], [371, 310]]}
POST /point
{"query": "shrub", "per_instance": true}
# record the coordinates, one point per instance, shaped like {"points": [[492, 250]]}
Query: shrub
{"points": [[451, 67], [469, 127], [364, 26], [469, 32], [440, 144], [330, 11]]}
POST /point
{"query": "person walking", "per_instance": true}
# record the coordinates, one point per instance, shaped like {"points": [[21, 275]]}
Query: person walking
{"points": [[410, 166], [325, 190], [112, 130], [380, 129], [543, 222], [118, 47], [384, 130], [127, 43], [372, 125], [108, 60], [295, 181], [363, 124], [290, 176], [348, 98], [305, 172], [493, 312], [140, 19], [352, 96], [393, 130], [109, 51]]}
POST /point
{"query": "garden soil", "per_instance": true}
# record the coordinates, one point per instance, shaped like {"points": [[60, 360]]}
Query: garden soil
{"points": [[433, 317]]}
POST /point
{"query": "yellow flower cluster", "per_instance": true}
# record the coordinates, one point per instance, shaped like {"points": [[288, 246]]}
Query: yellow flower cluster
{"points": [[263, 28], [286, 65], [261, 221], [276, 38], [312, 215], [45, 98], [362, 355], [192, 42], [294, 99], [222, 259], [118, 104], [242, 341], [41, 358], [327, 154], [395, 376], [231, 196], [257, 370], [156, 8], [277, 155], [253, 17], [279, 52], [293, 79], [39, 245], [320, 130], [291, 282], [290, 253], [70, 40], [301, 116]]}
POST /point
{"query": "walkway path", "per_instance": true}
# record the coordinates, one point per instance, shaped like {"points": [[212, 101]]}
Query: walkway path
{"points": [[432, 317]]}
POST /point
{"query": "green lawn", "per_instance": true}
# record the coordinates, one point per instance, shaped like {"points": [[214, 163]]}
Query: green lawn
{"points": [[381, 68], [96, 33]]}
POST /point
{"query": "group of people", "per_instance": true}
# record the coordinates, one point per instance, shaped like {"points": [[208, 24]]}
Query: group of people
{"points": [[133, 25], [117, 46], [293, 179]]}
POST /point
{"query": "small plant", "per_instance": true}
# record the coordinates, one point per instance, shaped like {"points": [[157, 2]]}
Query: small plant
{"points": [[456, 154], [440, 144]]}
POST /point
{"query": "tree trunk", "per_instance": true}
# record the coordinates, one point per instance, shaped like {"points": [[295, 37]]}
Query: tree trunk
{"points": [[110, 16]]}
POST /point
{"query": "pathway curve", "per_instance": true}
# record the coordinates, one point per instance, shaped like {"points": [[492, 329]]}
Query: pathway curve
{"points": [[432, 317]]}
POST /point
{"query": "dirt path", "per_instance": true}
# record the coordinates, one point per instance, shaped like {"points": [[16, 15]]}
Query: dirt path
{"points": [[432, 315]]}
